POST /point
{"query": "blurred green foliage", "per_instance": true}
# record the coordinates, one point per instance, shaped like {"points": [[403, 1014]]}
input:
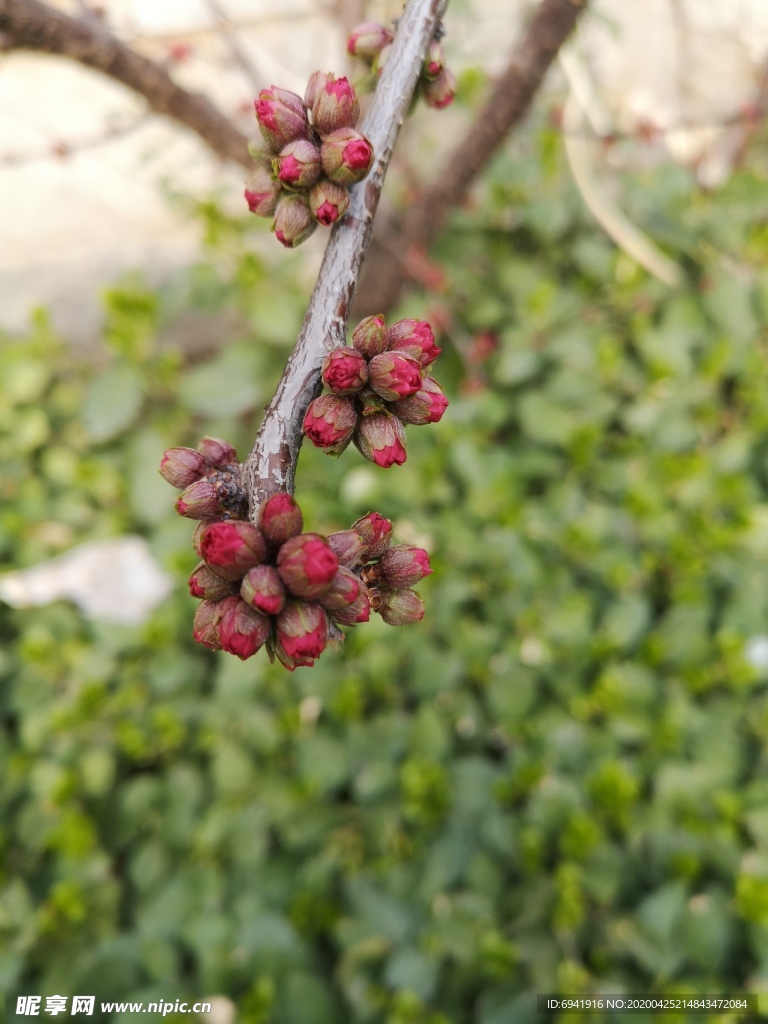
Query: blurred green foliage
{"points": [[557, 782]]}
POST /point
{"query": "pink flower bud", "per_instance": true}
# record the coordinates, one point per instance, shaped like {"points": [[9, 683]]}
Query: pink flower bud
{"points": [[219, 453], [262, 192], [231, 548], [242, 631], [376, 534], [200, 500], [380, 438], [370, 336], [298, 165], [316, 82], [336, 106], [368, 40], [307, 565], [346, 156], [205, 622], [345, 371], [302, 631], [263, 590], [345, 588], [434, 61], [441, 92], [182, 466], [330, 422], [394, 375], [328, 202], [280, 519], [358, 610], [401, 566], [293, 223], [281, 116], [415, 338], [347, 545], [399, 607], [207, 585], [426, 406]]}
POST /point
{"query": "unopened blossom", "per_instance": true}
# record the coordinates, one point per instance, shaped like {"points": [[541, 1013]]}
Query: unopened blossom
{"points": [[399, 607], [427, 405], [376, 534], [346, 156], [262, 192], [328, 202], [302, 631], [241, 630], [441, 92], [263, 590], [231, 548], [282, 117], [370, 336], [401, 566], [330, 422], [183, 466], [335, 106], [345, 371], [306, 565], [394, 375], [293, 223], [367, 40], [298, 164], [414, 338], [280, 519]]}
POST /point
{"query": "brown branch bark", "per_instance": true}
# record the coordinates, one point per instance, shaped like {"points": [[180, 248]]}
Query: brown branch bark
{"points": [[271, 466], [32, 25], [507, 105]]}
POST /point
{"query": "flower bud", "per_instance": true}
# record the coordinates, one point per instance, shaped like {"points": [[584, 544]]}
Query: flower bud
{"points": [[441, 92], [263, 590], [219, 453], [231, 548], [298, 165], [426, 406], [182, 466], [281, 116], [345, 588], [196, 536], [280, 518], [262, 192], [434, 61], [346, 156], [205, 622], [347, 545], [415, 338], [307, 565], [344, 371], [330, 422], [399, 607], [302, 631], [200, 500], [368, 40], [207, 585], [242, 631], [401, 566], [380, 60], [358, 610], [293, 223], [370, 336], [328, 202], [380, 438], [335, 106], [376, 534], [394, 375], [316, 82]]}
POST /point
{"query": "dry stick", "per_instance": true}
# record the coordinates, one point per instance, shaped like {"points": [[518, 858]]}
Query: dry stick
{"points": [[507, 105], [271, 466], [32, 25]]}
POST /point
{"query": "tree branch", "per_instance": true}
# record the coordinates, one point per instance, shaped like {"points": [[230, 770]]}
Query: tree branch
{"points": [[507, 105], [271, 466], [32, 25]]}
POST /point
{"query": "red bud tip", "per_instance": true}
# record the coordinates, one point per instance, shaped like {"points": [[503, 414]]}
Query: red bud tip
{"points": [[370, 336], [231, 548], [281, 116], [346, 156], [298, 165], [402, 566], [441, 92], [366, 41], [376, 534], [182, 467], [415, 338], [306, 565], [200, 501], [263, 590], [207, 585], [426, 406], [302, 631], [344, 590], [280, 518], [328, 202], [329, 423], [242, 631], [345, 371], [394, 375], [218, 453], [335, 106], [400, 607]]}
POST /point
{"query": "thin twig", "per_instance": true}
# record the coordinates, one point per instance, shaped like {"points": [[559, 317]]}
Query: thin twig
{"points": [[271, 466], [32, 25], [507, 105]]}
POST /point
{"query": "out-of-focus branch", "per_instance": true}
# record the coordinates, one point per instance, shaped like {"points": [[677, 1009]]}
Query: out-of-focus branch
{"points": [[507, 105], [271, 466], [32, 25]]}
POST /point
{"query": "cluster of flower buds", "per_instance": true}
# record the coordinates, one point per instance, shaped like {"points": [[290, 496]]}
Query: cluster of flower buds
{"points": [[274, 586], [311, 154], [371, 43], [376, 387], [209, 478]]}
